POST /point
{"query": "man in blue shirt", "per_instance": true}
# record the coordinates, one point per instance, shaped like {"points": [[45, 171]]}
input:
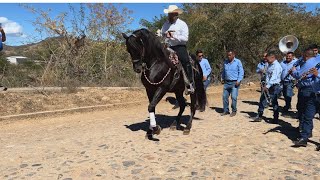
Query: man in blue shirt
{"points": [[273, 78], [315, 49], [287, 80], [206, 68], [307, 105], [2, 37], [261, 69], [316, 88], [232, 75]]}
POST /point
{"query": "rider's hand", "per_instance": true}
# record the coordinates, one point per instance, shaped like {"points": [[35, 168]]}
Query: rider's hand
{"points": [[314, 71], [204, 78]]}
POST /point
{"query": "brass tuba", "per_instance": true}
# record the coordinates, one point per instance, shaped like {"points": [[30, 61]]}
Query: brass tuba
{"points": [[288, 43]]}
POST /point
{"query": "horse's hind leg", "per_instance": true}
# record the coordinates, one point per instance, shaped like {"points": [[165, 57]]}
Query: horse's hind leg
{"points": [[193, 111], [182, 103]]}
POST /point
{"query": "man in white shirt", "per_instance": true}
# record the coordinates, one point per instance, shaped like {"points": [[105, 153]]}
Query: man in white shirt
{"points": [[176, 33]]}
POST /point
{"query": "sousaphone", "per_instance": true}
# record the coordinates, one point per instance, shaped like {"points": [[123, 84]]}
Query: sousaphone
{"points": [[288, 43]]}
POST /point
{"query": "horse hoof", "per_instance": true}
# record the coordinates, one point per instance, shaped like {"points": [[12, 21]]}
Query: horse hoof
{"points": [[149, 136], [157, 130], [186, 132]]}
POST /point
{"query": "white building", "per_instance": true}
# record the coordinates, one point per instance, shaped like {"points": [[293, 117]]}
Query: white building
{"points": [[17, 59]]}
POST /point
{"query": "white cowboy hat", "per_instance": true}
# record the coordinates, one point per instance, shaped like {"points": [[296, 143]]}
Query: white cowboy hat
{"points": [[173, 9]]}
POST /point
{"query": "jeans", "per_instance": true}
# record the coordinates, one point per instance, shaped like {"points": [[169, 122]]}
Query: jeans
{"points": [[307, 108], [207, 82], [274, 92], [264, 100], [230, 88], [287, 94]]}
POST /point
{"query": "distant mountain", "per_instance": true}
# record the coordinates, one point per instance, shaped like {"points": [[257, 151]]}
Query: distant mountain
{"points": [[27, 49]]}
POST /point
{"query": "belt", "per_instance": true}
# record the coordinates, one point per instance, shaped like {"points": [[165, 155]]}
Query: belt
{"points": [[231, 80]]}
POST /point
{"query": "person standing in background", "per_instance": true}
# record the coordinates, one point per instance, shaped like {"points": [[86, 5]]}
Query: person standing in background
{"points": [[232, 75], [2, 37], [206, 68]]}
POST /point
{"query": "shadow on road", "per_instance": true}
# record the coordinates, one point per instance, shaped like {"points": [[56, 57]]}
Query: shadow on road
{"points": [[255, 103], [285, 128], [163, 120], [217, 109]]}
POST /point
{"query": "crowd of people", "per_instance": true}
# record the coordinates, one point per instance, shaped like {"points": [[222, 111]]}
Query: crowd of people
{"points": [[276, 77]]}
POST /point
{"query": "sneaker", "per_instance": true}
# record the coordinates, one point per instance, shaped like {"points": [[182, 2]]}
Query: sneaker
{"points": [[258, 118], [233, 114], [224, 113]]}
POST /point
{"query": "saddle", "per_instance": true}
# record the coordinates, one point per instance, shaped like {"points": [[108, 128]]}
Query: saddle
{"points": [[174, 59]]}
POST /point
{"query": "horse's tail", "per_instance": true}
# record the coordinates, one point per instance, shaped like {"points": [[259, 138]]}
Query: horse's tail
{"points": [[201, 97]]}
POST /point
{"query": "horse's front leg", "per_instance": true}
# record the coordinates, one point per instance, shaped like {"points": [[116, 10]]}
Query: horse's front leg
{"points": [[154, 128], [193, 111]]}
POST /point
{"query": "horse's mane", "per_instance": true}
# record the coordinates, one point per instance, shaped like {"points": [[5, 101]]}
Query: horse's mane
{"points": [[152, 43]]}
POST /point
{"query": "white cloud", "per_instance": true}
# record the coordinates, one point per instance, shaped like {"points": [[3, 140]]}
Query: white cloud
{"points": [[11, 28]]}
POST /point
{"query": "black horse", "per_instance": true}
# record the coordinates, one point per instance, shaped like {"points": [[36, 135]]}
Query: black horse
{"points": [[159, 76]]}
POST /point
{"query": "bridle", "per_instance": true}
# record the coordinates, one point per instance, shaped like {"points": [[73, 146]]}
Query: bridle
{"points": [[142, 54], [144, 64]]}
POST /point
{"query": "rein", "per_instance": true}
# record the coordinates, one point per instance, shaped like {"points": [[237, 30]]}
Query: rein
{"points": [[152, 83], [144, 65]]}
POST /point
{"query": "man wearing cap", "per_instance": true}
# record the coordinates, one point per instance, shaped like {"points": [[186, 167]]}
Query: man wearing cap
{"points": [[176, 33], [273, 78]]}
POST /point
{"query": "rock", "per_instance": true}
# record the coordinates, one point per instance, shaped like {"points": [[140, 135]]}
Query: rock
{"points": [[289, 178], [105, 98], [23, 165], [206, 173], [173, 169], [193, 173], [128, 163], [34, 165], [155, 178], [136, 171], [297, 172]]}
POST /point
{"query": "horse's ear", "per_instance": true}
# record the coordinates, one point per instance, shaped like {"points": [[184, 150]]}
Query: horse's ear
{"points": [[125, 36]]}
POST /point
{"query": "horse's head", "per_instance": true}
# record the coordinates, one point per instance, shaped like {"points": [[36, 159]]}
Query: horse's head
{"points": [[136, 49]]}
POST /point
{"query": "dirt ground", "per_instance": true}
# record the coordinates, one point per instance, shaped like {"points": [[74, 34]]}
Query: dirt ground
{"points": [[110, 144]]}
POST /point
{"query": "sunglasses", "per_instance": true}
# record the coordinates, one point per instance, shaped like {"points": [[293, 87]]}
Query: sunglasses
{"points": [[200, 56]]}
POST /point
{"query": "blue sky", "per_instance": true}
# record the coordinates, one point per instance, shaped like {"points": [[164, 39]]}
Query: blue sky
{"points": [[17, 19]]}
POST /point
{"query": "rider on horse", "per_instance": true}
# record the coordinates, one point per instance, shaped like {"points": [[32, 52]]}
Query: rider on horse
{"points": [[176, 33]]}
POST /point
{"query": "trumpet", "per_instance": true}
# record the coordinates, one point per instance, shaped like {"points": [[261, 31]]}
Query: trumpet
{"points": [[304, 75]]}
